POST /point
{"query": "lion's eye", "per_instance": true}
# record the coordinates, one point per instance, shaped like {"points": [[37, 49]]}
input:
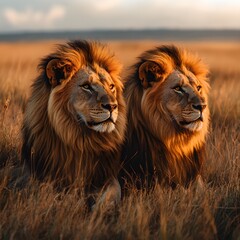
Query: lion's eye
{"points": [[199, 88], [86, 87], [112, 86], [178, 89]]}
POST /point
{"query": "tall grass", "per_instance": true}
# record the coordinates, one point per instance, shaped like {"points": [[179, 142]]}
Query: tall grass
{"points": [[39, 212]]}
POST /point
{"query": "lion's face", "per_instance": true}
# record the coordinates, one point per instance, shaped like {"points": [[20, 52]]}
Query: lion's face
{"points": [[174, 97], [94, 99], [184, 99], [86, 97]]}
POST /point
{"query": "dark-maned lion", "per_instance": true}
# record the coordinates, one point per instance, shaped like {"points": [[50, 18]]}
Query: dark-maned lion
{"points": [[75, 118], [168, 118]]}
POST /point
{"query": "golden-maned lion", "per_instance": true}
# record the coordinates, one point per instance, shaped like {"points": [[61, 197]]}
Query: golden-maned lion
{"points": [[75, 118], [168, 118]]}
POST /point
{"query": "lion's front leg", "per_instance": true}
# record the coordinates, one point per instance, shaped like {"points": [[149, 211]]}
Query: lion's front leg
{"points": [[109, 196], [200, 184]]}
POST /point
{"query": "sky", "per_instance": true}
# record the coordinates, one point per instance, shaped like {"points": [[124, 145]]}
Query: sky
{"points": [[57, 15]]}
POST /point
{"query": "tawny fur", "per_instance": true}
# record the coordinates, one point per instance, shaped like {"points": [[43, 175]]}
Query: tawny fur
{"points": [[156, 148], [56, 146]]}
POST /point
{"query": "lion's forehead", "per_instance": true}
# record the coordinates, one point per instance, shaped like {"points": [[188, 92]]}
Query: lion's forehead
{"points": [[94, 75], [192, 79], [180, 78]]}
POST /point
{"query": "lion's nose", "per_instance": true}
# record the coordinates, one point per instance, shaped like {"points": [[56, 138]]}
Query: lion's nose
{"points": [[199, 107], [109, 107]]}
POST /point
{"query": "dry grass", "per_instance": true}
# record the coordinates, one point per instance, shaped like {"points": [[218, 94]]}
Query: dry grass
{"points": [[38, 212]]}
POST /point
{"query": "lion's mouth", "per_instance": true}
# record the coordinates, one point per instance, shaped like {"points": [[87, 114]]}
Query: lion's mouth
{"points": [[107, 125], [92, 123], [200, 119]]}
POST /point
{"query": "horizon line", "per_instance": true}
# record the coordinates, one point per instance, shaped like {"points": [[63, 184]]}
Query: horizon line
{"points": [[113, 30]]}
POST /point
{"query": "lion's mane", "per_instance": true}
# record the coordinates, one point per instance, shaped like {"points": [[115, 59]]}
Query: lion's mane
{"points": [[61, 150], [156, 149]]}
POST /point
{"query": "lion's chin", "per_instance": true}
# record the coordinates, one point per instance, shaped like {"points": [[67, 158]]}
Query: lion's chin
{"points": [[106, 126]]}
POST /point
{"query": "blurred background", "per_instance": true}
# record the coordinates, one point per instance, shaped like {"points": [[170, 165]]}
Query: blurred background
{"points": [[120, 19]]}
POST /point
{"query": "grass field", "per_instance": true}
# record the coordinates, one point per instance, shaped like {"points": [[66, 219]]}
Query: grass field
{"points": [[38, 212]]}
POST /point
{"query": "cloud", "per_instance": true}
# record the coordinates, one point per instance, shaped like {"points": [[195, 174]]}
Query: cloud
{"points": [[106, 5], [117, 14], [31, 18]]}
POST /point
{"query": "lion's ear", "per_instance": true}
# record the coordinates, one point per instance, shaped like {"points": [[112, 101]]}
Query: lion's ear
{"points": [[58, 70], [150, 72]]}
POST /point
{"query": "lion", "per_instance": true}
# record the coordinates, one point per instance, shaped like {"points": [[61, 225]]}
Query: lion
{"points": [[75, 119], [168, 119]]}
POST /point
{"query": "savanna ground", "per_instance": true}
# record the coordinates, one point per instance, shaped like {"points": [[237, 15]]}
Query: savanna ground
{"points": [[38, 212]]}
